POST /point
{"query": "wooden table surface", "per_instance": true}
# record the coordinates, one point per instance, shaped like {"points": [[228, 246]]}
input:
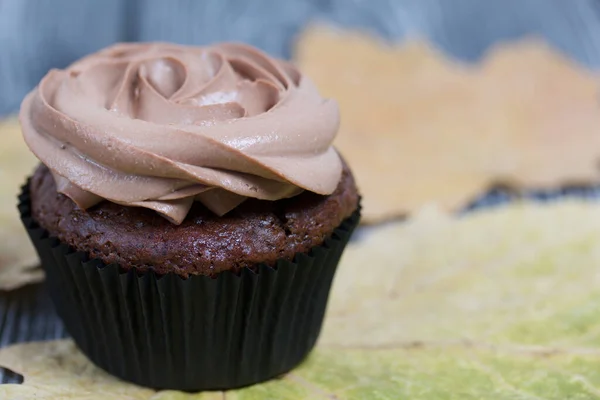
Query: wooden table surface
{"points": [[462, 27]]}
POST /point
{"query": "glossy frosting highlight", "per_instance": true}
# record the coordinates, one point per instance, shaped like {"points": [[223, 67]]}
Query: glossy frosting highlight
{"points": [[161, 125]]}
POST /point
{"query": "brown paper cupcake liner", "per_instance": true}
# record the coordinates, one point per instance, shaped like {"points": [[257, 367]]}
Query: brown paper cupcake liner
{"points": [[193, 334]]}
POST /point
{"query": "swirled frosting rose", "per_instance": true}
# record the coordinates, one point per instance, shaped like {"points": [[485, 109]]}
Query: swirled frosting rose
{"points": [[162, 125]]}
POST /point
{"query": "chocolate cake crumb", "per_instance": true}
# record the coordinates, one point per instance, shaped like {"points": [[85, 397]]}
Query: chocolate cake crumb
{"points": [[255, 232]]}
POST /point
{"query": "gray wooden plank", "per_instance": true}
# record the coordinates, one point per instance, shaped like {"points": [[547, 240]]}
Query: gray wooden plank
{"points": [[36, 35], [27, 314]]}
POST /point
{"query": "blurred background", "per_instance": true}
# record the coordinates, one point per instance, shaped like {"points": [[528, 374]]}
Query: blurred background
{"points": [[36, 35]]}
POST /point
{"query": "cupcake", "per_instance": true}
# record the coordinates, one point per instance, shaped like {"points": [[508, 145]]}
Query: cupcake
{"points": [[189, 210]]}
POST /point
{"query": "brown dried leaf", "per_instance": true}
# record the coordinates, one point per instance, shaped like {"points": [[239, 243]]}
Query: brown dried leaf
{"points": [[18, 260], [418, 127]]}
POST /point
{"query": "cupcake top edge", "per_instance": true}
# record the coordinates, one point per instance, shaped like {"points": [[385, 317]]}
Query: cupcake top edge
{"points": [[160, 125]]}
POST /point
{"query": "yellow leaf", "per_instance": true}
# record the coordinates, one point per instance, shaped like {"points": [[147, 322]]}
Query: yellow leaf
{"points": [[18, 260], [498, 304]]}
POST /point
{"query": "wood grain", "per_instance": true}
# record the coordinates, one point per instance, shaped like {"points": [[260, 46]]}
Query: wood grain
{"points": [[34, 41]]}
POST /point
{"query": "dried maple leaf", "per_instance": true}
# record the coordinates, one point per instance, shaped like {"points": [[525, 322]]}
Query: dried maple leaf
{"points": [[18, 260], [418, 127], [499, 304]]}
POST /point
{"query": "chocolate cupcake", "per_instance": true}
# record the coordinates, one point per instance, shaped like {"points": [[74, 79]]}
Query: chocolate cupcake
{"points": [[189, 211]]}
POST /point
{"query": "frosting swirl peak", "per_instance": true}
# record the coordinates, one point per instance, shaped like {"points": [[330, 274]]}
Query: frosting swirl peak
{"points": [[162, 125]]}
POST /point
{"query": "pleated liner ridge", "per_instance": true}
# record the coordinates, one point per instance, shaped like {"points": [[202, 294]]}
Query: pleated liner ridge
{"points": [[190, 334]]}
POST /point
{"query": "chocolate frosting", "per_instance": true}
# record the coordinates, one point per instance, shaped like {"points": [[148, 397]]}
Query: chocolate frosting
{"points": [[161, 125]]}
